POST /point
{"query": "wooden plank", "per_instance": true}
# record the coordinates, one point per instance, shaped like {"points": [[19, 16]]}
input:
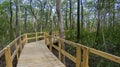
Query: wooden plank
{"points": [[8, 57], [85, 57], [45, 38], [36, 54], [26, 38], [15, 53], [78, 56], [40, 37], [105, 55], [31, 38], [59, 52], [68, 42], [68, 55], [54, 46], [51, 43], [36, 36]]}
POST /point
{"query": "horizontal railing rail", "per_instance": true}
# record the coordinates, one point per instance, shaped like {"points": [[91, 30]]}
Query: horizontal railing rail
{"points": [[82, 52], [81, 59], [18, 43]]}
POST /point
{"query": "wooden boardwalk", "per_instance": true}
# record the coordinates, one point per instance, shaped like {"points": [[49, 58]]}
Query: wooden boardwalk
{"points": [[36, 54]]}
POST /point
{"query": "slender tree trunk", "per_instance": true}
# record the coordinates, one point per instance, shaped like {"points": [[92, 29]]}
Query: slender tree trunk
{"points": [[113, 13], [66, 14], [35, 17], [60, 23], [17, 18], [11, 22], [25, 21], [78, 20], [51, 18], [98, 22], [70, 2], [82, 17]]}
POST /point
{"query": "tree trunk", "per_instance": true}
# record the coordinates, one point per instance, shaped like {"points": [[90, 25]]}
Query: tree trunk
{"points": [[25, 21], [70, 2], [66, 14], [35, 17], [98, 21], [11, 22], [78, 21], [82, 17], [51, 18], [17, 31], [60, 23]]}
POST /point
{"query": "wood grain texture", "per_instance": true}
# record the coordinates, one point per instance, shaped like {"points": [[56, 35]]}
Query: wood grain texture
{"points": [[37, 54]]}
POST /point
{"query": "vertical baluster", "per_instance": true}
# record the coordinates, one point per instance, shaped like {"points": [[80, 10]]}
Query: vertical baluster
{"points": [[26, 39], [45, 37], [78, 56], [20, 44], [50, 39], [36, 36], [16, 48], [59, 45], [85, 57], [8, 57]]}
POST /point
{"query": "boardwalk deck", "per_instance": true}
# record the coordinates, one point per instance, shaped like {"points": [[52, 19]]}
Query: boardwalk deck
{"points": [[37, 54]]}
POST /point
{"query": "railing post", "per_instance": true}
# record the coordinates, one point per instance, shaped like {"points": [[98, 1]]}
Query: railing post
{"points": [[20, 44], [16, 48], [59, 52], [50, 39], [45, 37], [8, 57], [26, 39], [85, 57], [36, 36], [78, 56]]}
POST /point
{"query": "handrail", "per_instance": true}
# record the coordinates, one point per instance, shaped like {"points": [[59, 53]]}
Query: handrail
{"points": [[18, 43], [82, 52]]}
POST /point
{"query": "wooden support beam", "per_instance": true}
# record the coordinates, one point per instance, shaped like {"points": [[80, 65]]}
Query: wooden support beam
{"points": [[78, 56], [16, 48], [20, 43], [68, 55], [85, 57], [51, 43], [45, 37], [8, 58], [26, 39], [36, 35], [59, 52]]}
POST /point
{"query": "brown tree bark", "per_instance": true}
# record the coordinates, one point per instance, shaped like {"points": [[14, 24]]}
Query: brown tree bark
{"points": [[60, 24], [78, 21], [11, 22], [25, 21], [17, 26], [51, 17]]}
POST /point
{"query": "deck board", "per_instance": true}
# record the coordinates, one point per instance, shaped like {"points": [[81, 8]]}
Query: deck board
{"points": [[37, 54]]}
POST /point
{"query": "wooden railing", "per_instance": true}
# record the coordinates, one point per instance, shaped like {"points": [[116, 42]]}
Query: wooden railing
{"points": [[14, 49], [80, 59], [82, 52]]}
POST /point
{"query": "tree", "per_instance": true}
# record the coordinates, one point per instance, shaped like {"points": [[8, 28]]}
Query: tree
{"points": [[25, 20], [82, 18], [70, 5], [17, 26], [51, 17], [78, 20], [66, 14], [60, 23], [11, 22]]}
